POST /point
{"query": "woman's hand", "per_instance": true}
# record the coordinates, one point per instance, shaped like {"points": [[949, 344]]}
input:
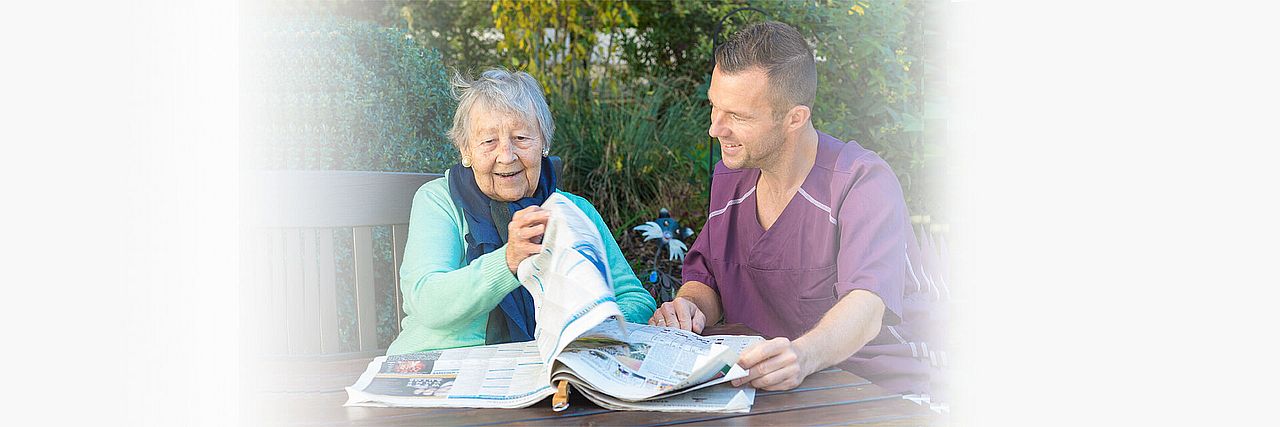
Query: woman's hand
{"points": [[524, 235]]}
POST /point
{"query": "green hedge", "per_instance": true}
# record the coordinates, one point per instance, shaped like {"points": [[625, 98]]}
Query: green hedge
{"points": [[339, 94]]}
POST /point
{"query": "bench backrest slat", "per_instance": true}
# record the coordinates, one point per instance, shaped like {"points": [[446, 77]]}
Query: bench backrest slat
{"points": [[327, 284], [366, 297], [399, 238], [278, 336]]}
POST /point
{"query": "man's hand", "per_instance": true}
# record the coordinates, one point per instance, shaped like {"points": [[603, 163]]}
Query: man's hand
{"points": [[776, 364], [524, 235], [680, 313]]}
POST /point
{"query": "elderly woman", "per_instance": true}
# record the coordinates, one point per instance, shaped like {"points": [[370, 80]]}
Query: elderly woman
{"points": [[469, 231]]}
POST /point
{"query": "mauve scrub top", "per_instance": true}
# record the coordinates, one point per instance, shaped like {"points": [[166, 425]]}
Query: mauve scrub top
{"points": [[846, 228]]}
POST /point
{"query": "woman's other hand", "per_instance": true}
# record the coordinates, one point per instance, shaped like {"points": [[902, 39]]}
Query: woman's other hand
{"points": [[524, 235]]}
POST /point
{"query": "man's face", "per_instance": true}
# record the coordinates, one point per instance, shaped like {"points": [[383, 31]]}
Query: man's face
{"points": [[742, 118]]}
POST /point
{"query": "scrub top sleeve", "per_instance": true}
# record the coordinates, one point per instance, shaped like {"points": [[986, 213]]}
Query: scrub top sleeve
{"points": [[696, 264], [873, 233]]}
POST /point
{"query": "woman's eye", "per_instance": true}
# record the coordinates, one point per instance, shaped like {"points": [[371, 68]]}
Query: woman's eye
{"points": [[487, 142]]}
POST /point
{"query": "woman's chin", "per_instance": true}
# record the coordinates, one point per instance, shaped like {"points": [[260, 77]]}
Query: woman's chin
{"points": [[510, 195]]}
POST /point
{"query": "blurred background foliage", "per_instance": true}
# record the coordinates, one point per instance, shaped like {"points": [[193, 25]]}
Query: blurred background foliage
{"points": [[363, 85]]}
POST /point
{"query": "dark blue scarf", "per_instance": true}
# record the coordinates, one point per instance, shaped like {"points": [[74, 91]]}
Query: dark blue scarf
{"points": [[512, 320]]}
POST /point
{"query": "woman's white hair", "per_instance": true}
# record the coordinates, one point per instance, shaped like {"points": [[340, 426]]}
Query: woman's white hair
{"points": [[513, 93]]}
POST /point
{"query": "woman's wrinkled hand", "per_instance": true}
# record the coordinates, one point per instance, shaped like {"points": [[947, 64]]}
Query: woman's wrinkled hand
{"points": [[524, 235]]}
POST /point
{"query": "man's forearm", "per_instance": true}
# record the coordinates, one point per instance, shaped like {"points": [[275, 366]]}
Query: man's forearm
{"points": [[704, 297], [829, 342]]}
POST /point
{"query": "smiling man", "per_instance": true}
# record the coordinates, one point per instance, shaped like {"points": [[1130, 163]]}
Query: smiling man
{"points": [[806, 236]]}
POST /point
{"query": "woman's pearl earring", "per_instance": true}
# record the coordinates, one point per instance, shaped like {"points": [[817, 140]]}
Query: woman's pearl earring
{"points": [[466, 162]]}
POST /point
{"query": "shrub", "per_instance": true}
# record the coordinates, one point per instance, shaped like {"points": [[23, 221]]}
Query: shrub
{"points": [[335, 93], [632, 156]]}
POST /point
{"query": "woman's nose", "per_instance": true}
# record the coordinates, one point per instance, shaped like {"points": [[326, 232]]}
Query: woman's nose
{"points": [[507, 151]]}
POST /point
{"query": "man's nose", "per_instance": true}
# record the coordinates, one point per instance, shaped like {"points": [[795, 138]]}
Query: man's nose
{"points": [[717, 129]]}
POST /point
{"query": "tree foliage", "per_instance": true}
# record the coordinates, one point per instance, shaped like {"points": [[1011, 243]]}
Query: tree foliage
{"points": [[626, 81], [570, 46]]}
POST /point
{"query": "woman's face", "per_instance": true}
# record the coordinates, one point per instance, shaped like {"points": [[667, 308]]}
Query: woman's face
{"points": [[505, 153]]}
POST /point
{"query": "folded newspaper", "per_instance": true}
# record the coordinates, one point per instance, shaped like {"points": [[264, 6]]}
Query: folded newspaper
{"points": [[581, 338]]}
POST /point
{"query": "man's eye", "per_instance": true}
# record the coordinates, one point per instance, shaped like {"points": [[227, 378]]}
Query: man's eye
{"points": [[735, 116]]}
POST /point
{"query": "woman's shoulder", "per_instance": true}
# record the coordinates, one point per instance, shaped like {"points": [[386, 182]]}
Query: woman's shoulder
{"points": [[436, 188], [435, 194]]}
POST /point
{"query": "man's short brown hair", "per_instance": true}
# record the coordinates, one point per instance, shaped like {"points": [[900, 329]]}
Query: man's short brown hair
{"points": [[784, 55]]}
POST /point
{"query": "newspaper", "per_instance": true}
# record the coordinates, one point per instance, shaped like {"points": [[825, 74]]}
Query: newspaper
{"points": [[508, 375], [658, 369], [581, 337], [569, 280]]}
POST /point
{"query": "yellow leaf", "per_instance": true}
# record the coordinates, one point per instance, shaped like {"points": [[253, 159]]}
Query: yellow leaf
{"points": [[407, 14]]}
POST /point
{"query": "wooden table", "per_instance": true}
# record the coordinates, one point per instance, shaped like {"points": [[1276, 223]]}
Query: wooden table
{"points": [[828, 397]]}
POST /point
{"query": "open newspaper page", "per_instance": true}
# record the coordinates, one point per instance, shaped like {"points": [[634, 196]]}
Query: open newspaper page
{"points": [[651, 361], [493, 376], [569, 280], [689, 395]]}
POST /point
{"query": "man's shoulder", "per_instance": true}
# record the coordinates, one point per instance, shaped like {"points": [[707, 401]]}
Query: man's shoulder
{"points": [[846, 157], [722, 170], [731, 183], [733, 178]]}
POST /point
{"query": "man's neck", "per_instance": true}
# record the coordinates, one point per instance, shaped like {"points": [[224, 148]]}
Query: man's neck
{"points": [[792, 165]]}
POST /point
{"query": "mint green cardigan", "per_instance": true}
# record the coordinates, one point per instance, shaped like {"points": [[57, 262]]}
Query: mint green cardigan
{"points": [[447, 302]]}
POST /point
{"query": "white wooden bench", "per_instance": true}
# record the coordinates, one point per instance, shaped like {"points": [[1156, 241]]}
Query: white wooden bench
{"points": [[294, 225]]}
